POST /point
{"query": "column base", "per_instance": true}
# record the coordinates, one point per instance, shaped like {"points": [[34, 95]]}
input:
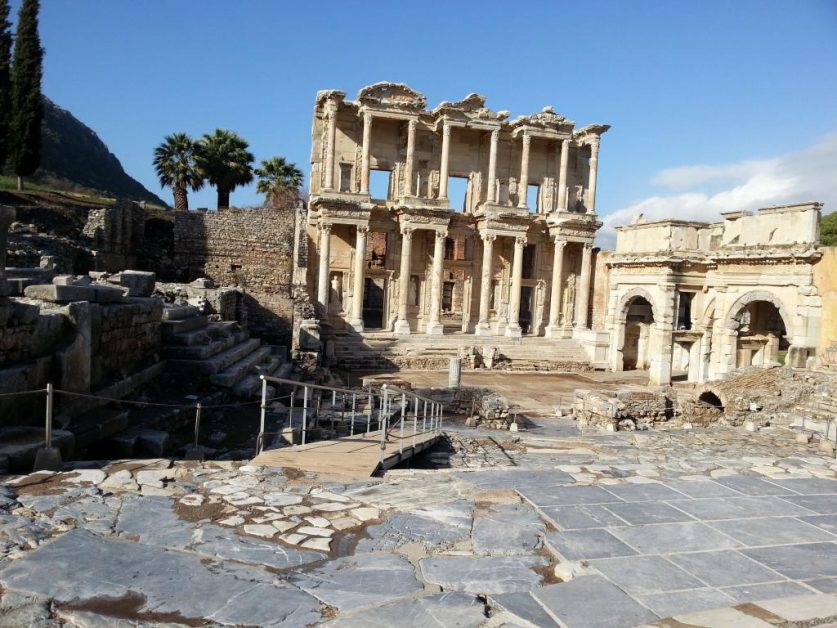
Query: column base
{"points": [[514, 331], [357, 325], [500, 328], [402, 328], [483, 329], [434, 329], [555, 331]]}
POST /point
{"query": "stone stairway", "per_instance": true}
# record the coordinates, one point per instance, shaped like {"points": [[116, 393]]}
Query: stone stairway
{"points": [[384, 352], [220, 353]]}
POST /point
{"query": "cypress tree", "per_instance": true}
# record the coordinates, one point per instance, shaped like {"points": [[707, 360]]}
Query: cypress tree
{"points": [[5, 81], [27, 105]]}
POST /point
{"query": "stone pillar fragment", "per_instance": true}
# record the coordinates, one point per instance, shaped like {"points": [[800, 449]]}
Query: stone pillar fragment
{"points": [[514, 329], [582, 296], [454, 373], [556, 288], [562, 175], [409, 166], [591, 184], [364, 158], [524, 172], [402, 326], [359, 280], [434, 324], [443, 169], [323, 283], [492, 167], [331, 135], [483, 327]]}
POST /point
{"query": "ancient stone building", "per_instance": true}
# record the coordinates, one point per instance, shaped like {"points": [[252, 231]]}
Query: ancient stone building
{"points": [[698, 300], [456, 218]]}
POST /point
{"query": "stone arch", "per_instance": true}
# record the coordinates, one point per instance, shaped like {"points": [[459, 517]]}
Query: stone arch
{"points": [[630, 295], [620, 323], [758, 295]]}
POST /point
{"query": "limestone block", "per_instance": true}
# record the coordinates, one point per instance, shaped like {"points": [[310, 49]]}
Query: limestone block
{"points": [[59, 293], [139, 283], [64, 280]]}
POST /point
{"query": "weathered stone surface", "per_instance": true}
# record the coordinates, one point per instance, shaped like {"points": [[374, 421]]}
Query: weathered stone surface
{"points": [[501, 574], [507, 529], [139, 283], [445, 610]]}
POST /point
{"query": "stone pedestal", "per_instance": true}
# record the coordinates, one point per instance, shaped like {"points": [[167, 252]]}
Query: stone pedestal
{"points": [[455, 373]]}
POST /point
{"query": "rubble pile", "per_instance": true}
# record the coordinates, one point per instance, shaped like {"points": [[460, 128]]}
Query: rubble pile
{"points": [[623, 409]]}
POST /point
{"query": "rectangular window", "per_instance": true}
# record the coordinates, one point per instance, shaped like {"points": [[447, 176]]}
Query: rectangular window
{"points": [[379, 184], [447, 296], [684, 309], [532, 191], [449, 248], [458, 193]]}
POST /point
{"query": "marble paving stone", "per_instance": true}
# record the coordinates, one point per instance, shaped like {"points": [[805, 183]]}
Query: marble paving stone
{"points": [[822, 504], [724, 568], [644, 492], [809, 486], [526, 609], [497, 574], [717, 508], [772, 531], [826, 585], [152, 520], [435, 528], [645, 575], [677, 602], [83, 567], [798, 562], [592, 602], [568, 495], [218, 542], [752, 485], [826, 522], [756, 592], [507, 529], [451, 609], [495, 480], [701, 488], [358, 581], [725, 617], [666, 538], [637, 513], [581, 517], [587, 544]]}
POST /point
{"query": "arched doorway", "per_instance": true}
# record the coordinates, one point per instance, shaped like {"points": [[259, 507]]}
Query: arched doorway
{"points": [[639, 316], [762, 336]]}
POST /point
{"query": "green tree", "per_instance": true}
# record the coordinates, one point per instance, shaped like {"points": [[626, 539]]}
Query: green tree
{"points": [[5, 81], [225, 162], [278, 180], [828, 230], [27, 105], [175, 161]]}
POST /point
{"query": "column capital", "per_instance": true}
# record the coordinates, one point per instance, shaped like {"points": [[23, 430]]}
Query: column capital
{"points": [[594, 146], [407, 232], [412, 123], [520, 241], [495, 134], [325, 227], [559, 243], [588, 246], [488, 237], [526, 138], [441, 235], [363, 228], [367, 117], [446, 128]]}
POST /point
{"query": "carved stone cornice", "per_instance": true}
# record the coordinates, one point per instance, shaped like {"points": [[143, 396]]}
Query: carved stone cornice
{"points": [[386, 95]]}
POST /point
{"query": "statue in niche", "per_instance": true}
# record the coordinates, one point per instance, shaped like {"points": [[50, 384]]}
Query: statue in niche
{"points": [[579, 198], [412, 291], [547, 195], [569, 301], [335, 298], [433, 184], [513, 196], [503, 192]]}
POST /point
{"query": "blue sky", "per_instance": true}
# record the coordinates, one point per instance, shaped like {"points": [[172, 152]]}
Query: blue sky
{"points": [[703, 96]]}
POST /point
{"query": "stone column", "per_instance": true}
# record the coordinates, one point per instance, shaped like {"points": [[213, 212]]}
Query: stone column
{"points": [[331, 135], [522, 188], [582, 296], [434, 324], [553, 328], [323, 284], [492, 167], [562, 175], [411, 157], [443, 169], [402, 325], [483, 327], [517, 279], [454, 372], [357, 290], [364, 158], [591, 184]]}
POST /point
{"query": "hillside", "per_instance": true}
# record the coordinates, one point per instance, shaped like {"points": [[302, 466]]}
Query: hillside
{"points": [[73, 158], [828, 230]]}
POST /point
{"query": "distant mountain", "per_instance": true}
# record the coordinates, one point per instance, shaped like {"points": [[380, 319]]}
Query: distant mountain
{"points": [[73, 157]]}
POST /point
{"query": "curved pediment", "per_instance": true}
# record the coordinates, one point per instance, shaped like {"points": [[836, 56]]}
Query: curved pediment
{"points": [[472, 106], [546, 118], [392, 95]]}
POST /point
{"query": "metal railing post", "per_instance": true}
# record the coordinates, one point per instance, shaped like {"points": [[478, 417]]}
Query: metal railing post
{"points": [[424, 417], [197, 423], [441, 416], [415, 425], [354, 404], [370, 410], [333, 407], [403, 412], [291, 412], [48, 427], [304, 412], [262, 414], [383, 421]]}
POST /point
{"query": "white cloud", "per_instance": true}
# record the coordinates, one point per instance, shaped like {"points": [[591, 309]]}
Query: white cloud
{"points": [[806, 175]]}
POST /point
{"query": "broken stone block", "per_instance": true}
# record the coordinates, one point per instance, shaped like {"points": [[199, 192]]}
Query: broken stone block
{"points": [[63, 280], [320, 544], [59, 293], [262, 530], [139, 283], [314, 531]]}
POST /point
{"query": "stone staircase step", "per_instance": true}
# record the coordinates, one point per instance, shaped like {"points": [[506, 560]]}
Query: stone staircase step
{"points": [[96, 425], [206, 350], [241, 368], [220, 361], [171, 328]]}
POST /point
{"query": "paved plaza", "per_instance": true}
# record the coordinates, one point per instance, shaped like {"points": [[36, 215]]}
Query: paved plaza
{"points": [[553, 526]]}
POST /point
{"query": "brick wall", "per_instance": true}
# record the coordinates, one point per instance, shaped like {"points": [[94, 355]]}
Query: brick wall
{"points": [[248, 248]]}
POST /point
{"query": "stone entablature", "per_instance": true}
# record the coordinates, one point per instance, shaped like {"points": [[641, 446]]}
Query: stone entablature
{"points": [[707, 298]]}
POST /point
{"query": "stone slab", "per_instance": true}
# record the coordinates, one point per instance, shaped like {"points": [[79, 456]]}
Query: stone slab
{"points": [[678, 602], [702, 488], [526, 609], [769, 591], [637, 513], [644, 492], [809, 486], [451, 609], [581, 517], [667, 538], [587, 544], [752, 485], [498, 574], [507, 529], [592, 602], [822, 504], [568, 495], [798, 562], [724, 568], [718, 508], [772, 531], [644, 575]]}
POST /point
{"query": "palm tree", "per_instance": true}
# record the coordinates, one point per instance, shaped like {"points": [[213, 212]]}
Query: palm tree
{"points": [[225, 162], [278, 179], [174, 161]]}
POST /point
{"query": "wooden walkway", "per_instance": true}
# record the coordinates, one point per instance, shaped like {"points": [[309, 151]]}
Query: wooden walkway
{"points": [[356, 456]]}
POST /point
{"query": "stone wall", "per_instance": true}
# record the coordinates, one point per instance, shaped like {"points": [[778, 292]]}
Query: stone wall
{"points": [[125, 336], [248, 248], [825, 279], [117, 234]]}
